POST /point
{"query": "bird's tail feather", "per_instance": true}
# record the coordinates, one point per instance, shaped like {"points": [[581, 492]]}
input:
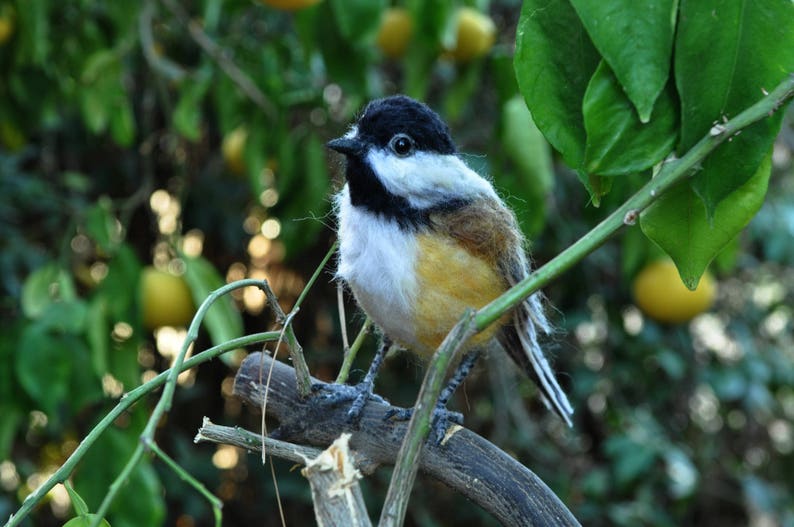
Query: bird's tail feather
{"points": [[520, 340]]}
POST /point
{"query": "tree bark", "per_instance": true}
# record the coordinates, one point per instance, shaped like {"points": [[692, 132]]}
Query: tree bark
{"points": [[466, 462]]}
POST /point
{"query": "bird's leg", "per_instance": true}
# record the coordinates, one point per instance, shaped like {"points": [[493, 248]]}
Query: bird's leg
{"points": [[442, 417], [360, 393]]}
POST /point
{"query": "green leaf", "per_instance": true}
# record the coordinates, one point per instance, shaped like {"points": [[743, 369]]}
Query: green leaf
{"points": [[636, 40], [727, 54], [346, 62], [299, 223], [223, 321], [101, 226], [529, 177], [187, 116], [64, 316], [80, 508], [98, 334], [40, 290], [526, 146], [122, 121], [85, 520], [35, 40], [679, 224], [358, 20], [617, 142], [554, 62], [44, 366], [123, 270]]}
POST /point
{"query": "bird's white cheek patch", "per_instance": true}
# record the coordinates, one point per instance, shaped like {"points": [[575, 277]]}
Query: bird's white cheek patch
{"points": [[426, 179]]}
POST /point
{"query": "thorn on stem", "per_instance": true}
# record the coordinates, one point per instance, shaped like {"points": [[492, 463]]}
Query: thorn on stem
{"points": [[631, 217]]}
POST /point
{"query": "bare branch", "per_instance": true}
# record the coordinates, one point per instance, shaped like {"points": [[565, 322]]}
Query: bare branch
{"points": [[466, 462]]}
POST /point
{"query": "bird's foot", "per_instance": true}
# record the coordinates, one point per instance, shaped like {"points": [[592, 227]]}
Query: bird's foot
{"points": [[359, 394], [441, 421]]}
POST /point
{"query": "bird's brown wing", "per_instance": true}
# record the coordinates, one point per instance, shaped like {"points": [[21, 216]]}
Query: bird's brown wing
{"points": [[489, 229]]}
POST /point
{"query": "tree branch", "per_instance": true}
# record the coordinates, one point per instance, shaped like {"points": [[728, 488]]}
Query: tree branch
{"points": [[466, 462]]}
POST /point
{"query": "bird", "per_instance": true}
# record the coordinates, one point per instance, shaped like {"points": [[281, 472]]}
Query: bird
{"points": [[422, 237]]}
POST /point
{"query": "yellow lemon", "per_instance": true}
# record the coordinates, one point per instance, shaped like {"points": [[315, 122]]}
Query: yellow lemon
{"points": [[476, 35], [165, 299], [394, 33], [233, 148], [660, 293]]}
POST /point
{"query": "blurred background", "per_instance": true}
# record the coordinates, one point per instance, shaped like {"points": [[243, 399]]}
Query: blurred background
{"points": [[151, 151]]}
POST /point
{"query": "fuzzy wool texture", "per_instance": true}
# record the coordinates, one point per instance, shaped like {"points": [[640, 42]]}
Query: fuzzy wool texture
{"points": [[443, 178], [376, 259], [429, 237]]}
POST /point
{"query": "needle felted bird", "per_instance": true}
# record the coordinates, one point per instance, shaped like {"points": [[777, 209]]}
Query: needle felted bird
{"points": [[422, 237]]}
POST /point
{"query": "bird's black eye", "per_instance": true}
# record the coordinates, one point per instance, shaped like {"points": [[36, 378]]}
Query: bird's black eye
{"points": [[402, 145]]}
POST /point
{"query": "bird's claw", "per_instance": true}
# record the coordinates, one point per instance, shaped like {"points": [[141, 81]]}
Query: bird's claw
{"points": [[359, 394], [441, 421]]}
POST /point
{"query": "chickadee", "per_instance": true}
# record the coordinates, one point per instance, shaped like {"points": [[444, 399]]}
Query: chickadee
{"points": [[422, 237]]}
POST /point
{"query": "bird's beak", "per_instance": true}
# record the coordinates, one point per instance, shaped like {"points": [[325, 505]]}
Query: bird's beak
{"points": [[346, 145]]}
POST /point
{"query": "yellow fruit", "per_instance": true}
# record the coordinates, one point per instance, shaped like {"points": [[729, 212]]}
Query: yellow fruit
{"points": [[233, 148], [290, 5], [394, 34], [476, 35], [660, 293], [6, 24], [165, 299]]}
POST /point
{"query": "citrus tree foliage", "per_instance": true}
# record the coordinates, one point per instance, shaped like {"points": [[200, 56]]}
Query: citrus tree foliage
{"points": [[617, 87], [130, 131]]}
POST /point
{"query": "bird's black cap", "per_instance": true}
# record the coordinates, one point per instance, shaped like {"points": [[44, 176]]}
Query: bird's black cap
{"points": [[384, 118]]}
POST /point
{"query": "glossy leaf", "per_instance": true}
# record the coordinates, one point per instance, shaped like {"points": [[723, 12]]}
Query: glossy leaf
{"points": [[679, 224], [44, 366], [223, 321], [727, 55], [78, 503], [85, 520], [636, 40], [617, 142], [554, 62]]}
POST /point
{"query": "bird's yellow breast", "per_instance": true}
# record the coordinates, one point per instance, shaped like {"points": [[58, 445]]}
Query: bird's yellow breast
{"points": [[449, 280]]}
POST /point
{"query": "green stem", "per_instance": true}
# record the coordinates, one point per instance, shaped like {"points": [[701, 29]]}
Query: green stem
{"points": [[350, 353], [672, 173], [129, 399], [396, 503], [215, 502], [316, 274], [167, 397]]}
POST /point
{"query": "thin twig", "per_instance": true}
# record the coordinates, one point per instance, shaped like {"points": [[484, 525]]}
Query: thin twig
{"points": [[214, 501], [352, 351], [163, 66], [126, 402], [221, 57]]}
